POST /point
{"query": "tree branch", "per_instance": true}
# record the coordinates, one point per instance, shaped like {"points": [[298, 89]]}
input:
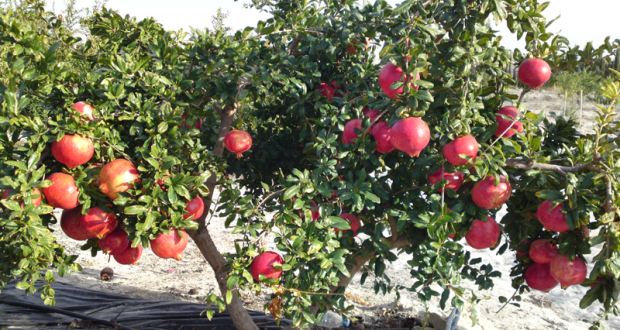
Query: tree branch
{"points": [[527, 164]]}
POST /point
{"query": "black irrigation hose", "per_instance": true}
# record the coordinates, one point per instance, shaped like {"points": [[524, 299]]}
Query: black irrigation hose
{"points": [[64, 312]]}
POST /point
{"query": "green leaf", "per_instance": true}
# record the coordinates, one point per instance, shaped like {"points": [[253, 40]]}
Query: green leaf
{"points": [[228, 297], [425, 95], [22, 285], [550, 195], [233, 279], [339, 223], [162, 127], [135, 209], [290, 192]]}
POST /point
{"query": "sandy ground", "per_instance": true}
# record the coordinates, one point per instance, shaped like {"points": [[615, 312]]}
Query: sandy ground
{"points": [[155, 278]]}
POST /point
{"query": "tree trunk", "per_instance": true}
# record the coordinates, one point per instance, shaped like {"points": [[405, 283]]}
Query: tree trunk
{"points": [[240, 316]]}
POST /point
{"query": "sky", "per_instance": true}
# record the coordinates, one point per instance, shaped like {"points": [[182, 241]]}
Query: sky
{"points": [[581, 21]]}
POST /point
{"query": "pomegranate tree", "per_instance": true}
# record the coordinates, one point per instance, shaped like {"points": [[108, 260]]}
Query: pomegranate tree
{"points": [[287, 89]]}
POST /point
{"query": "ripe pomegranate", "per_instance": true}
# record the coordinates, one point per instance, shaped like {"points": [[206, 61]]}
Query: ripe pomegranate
{"points": [[524, 242], [117, 176], [36, 196], [534, 72], [353, 221], [73, 150], [553, 220], [489, 196], [568, 272], [129, 256], [71, 225], [115, 242], [538, 277], [504, 124], [263, 264], [170, 245], [99, 223], [455, 180], [349, 134], [198, 121], [238, 141], [85, 109], [63, 193], [381, 132], [464, 145], [195, 207], [371, 113], [483, 234], [326, 90], [410, 135], [390, 74], [543, 251], [351, 48]]}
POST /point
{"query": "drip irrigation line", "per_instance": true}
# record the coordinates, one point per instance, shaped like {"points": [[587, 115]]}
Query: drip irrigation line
{"points": [[64, 312]]}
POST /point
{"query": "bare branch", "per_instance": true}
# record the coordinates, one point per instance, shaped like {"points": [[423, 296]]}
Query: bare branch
{"points": [[527, 164]]}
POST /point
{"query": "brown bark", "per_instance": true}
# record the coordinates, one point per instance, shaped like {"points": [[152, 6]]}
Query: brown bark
{"points": [[240, 316]]}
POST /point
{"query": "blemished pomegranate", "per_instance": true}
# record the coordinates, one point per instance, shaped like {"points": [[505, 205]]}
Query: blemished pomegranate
{"points": [[554, 219], [504, 124], [170, 245], [390, 74], [115, 242], [195, 207], [349, 134], [568, 272], [543, 251], [129, 256], [354, 221], [117, 176], [63, 193], [73, 150], [71, 225], [534, 72], [238, 141], [85, 109], [489, 196], [455, 180], [99, 223], [483, 234], [35, 194], [538, 277], [410, 135], [263, 265], [381, 132], [464, 145], [524, 242]]}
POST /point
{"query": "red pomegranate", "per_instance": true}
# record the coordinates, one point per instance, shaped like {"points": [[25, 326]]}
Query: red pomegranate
{"points": [[63, 193], [534, 72], [129, 256], [568, 272], [464, 145], [99, 223], [371, 113], [381, 132], [543, 251], [85, 109], [524, 242], [553, 220], [170, 245], [263, 265], [390, 74], [35, 194], [198, 122], [326, 90], [195, 207], [238, 141], [410, 135], [483, 234], [504, 124], [538, 277], [455, 180], [349, 134], [116, 177], [353, 221], [115, 242], [71, 225], [489, 196], [73, 150], [586, 231]]}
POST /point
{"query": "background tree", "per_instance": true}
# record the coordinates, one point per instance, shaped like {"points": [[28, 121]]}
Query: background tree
{"points": [[297, 83]]}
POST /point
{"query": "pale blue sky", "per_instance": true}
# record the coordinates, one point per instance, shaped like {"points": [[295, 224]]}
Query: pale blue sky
{"points": [[581, 21]]}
